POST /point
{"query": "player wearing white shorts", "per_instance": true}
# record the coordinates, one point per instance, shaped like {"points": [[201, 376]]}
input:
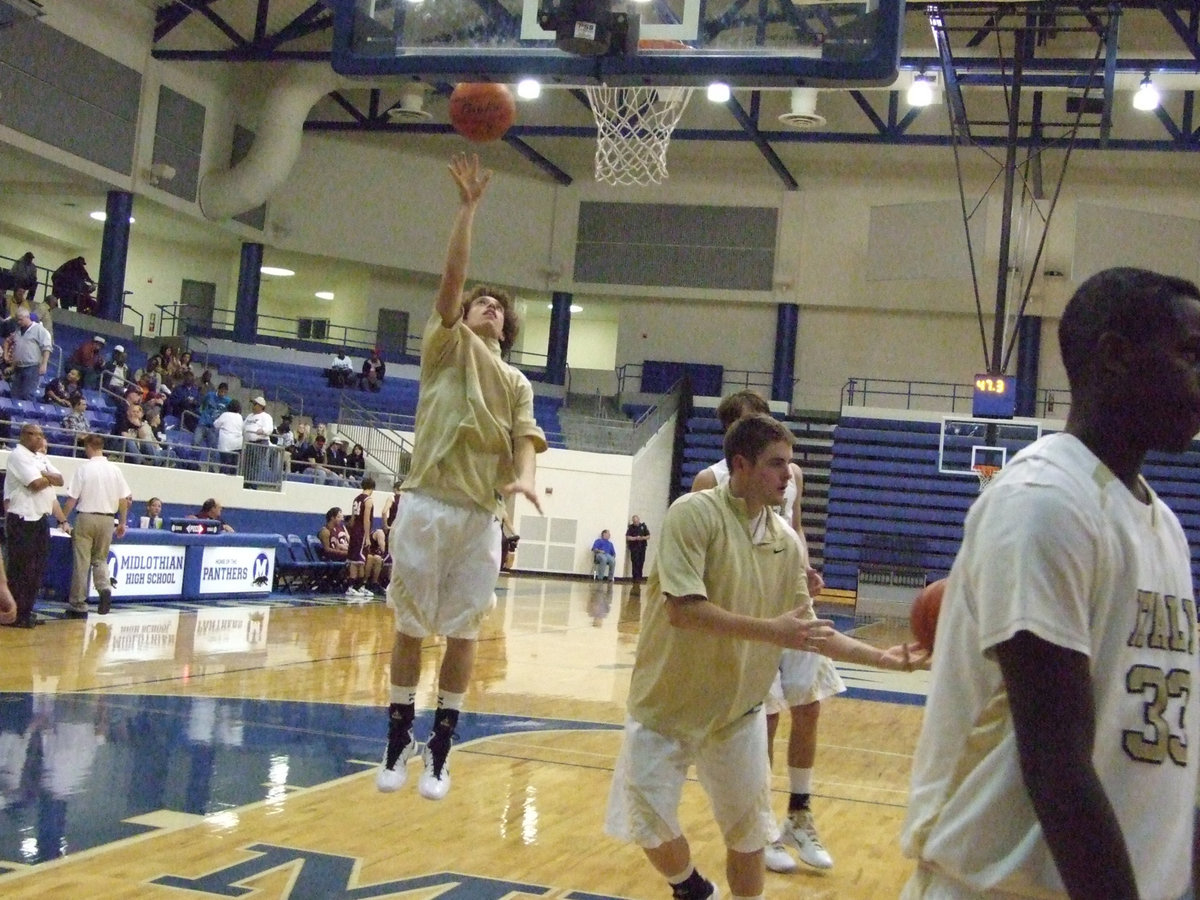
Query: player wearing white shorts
{"points": [[475, 443], [1058, 755], [803, 681], [727, 590]]}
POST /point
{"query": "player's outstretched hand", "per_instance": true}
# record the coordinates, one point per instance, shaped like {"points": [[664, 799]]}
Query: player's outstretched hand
{"points": [[905, 658], [797, 631], [470, 178], [816, 583], [528, 491]]}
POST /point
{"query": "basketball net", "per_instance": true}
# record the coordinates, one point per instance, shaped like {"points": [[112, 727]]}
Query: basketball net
{"points": [[986, 474], [635, 125]]}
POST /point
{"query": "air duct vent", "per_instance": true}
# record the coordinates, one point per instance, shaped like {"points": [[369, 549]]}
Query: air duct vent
{"points": [[803, 113]]}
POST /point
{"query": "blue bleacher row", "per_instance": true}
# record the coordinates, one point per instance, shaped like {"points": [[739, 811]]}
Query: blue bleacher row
{"points": [[287, 382], [885, 490]]}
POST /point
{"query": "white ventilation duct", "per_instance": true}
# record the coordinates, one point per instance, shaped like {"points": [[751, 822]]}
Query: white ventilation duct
{"points": [[411, 107], [803, 113], [229, 192]]}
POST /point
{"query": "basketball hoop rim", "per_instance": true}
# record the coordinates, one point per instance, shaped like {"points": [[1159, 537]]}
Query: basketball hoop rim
{"points": [[985, 474]]}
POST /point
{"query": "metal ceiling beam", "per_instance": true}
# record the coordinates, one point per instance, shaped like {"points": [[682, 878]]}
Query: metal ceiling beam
{"points": [[764, 146]]}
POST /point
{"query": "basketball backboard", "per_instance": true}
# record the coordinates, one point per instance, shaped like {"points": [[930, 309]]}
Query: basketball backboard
{"points": [[770, 43], [966, 444]]}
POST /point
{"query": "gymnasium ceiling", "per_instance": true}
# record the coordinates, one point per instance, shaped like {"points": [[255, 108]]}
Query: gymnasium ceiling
{"points": [[972, 55]]}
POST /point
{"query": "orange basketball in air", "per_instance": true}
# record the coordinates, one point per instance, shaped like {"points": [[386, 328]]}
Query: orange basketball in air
{"points": [[923, 617], [482, 111]]}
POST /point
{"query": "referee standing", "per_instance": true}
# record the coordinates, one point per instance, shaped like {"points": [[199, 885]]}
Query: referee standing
{"points": [[29, 498], [101, 494]]}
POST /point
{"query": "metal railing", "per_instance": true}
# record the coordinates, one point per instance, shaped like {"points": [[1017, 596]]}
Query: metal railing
{"points": [[939, 396], [626, 437], [261, 465], [378, 433]]}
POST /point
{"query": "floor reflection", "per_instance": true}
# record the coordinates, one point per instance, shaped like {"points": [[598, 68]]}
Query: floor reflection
{"points": [[74, 767]]}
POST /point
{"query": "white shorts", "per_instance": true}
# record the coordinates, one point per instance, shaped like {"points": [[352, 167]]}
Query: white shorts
{"points": [[643, 804], [774, 704], [445, 561], [808, 678]]}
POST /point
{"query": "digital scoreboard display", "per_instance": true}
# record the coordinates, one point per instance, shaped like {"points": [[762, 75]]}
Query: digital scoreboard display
{"points": [[995, 397]]}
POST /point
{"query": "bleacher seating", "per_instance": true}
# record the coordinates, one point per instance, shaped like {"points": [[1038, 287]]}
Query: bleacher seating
{"points": [[885, 489], [704, 445], [322, 403]]}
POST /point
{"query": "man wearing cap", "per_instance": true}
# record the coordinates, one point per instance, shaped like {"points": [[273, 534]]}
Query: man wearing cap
{"points": [[116, 371], [24, 278], [30, 353], [337, 457], [261, 462], [88, 358]]}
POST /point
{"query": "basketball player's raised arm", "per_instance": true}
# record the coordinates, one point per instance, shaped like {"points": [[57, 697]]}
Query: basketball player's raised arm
{"points": [[472, 181], [1055, 733]]}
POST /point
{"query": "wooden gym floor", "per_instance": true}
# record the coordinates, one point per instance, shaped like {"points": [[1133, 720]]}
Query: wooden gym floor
{"points": [[229, 752]]}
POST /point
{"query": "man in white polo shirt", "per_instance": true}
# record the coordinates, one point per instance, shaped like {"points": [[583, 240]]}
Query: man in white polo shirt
{"points": [[101, 494], [29, 497], [256, 431]]}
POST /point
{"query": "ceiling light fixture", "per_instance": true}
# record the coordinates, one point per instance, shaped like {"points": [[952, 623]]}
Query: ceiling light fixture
{"points": [[324, 295], [920, 92], [529, 89], [101, 216], [1146, 99], [718, 92], [275, 270]]}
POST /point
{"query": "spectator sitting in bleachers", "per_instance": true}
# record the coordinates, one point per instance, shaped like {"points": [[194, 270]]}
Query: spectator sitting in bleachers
{"points": [[212, 511], [355, 464], [340, 371], [88, 358], [373, 370], [77, 423], [168, 363], [338, 456], [153, 398], [184, 402], [185, 365], [212, 404], [63, 391], [334, 536], [116, 371], [314, 460], [140, 444], [283, 436], [153, 373]]}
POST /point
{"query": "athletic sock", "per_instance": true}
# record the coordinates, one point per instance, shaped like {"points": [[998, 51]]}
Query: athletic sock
{"points": [[692, 886], [403, 694], [800, 783]]}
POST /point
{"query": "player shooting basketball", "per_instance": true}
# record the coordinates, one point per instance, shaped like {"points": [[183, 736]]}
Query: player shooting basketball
{"points": [[475, 442], [1058, 754]]}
